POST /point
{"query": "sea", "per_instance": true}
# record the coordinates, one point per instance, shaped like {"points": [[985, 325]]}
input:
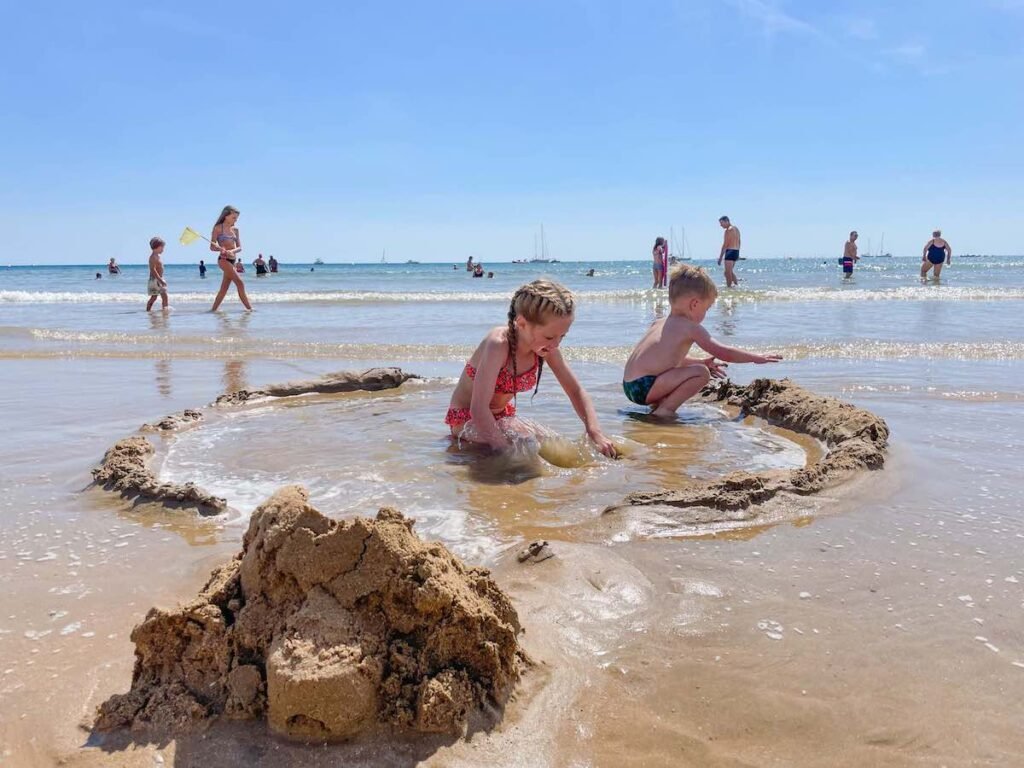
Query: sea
{"points": [[881, 623]]}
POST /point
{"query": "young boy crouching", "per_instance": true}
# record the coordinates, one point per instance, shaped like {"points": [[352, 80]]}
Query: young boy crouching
{"points": [[658, 373]]}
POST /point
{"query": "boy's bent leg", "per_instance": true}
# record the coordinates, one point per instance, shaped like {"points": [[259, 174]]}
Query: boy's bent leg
{"points": [[673, 388]]}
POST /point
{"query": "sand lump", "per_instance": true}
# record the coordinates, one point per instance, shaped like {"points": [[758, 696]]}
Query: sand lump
{"points": [[326, 628], [856, 441], [125, 470]]}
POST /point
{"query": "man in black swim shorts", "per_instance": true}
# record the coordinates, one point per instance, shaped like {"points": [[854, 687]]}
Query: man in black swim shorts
{"points": [[730, 251]]}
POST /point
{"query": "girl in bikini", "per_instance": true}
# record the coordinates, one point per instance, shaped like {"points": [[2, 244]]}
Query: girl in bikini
{"points": [[226, 241], [510, 360]]}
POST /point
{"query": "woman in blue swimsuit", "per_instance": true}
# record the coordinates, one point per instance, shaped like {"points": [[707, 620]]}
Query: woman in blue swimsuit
{"points": [[227, 242], [936, 253]]}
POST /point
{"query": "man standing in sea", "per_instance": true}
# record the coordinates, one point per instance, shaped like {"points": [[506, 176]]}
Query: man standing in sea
{"points": [[850, 256], [730, 251]]}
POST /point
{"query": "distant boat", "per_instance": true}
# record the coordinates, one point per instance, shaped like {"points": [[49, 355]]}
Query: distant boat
{"points": [[678, 250], [882, 253], [543, 257], [410, 261], [384, 256], [318, 261]]}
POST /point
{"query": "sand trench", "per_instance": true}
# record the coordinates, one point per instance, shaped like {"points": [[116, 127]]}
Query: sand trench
{"points": [[327, 629]]}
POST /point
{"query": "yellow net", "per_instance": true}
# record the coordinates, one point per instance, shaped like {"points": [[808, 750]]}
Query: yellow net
{"points": [[189, 236]]}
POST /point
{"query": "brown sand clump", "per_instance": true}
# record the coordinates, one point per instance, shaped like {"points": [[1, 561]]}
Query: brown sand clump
{"points": [[175, 421], [125, 470], [326, 628], [372, 380], [856, 441]]}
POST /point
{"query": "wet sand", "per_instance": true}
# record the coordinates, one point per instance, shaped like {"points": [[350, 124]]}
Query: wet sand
{"points": [[881, 626]]}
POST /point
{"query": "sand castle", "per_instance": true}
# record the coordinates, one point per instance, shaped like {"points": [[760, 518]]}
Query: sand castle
{"points": [[326, 629]]}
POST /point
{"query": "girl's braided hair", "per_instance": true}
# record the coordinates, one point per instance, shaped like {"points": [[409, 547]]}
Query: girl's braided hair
{"points": [[534, 302]]}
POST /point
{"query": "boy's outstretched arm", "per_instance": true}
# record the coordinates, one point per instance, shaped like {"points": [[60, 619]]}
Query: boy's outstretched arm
{"points": [[730, 354], [581, 402]]}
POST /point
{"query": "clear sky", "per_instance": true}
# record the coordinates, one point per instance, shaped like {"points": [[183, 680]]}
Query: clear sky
{"points": [[444, 129]]}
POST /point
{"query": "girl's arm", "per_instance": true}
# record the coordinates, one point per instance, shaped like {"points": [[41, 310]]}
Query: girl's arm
{"points": [[213, 242], [493, 352], [581, 402], [238, 242], [730, 354]]}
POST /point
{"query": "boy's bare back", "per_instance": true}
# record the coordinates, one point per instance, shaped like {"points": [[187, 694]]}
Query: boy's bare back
{"points": [[665, 346]]}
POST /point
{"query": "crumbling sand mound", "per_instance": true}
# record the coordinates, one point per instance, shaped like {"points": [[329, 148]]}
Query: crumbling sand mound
{"points": [[125, 470], [175, 421], [325, 628], [372, 380], [856, 440]]}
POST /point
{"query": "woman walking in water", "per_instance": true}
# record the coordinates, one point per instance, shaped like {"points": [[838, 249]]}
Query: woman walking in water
{"points": [[936, 252], [659, 256], [226, 241]]}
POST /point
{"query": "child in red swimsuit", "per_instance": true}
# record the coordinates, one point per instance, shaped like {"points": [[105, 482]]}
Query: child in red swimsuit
{"points": [[511, 359]]}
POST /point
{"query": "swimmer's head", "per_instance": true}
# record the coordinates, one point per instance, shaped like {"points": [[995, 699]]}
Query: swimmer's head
{"points": [[724, 221], [156, 243], [937, 233], [853, 235]]}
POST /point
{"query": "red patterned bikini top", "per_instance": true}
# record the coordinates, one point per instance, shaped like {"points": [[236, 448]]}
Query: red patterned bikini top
{"points": [[524, 382]]}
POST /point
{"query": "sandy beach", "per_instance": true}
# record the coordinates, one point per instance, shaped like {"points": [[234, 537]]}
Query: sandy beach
{"points": [[877, 623]]}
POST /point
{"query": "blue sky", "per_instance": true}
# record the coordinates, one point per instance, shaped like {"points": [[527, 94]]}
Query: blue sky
{"points": [[439, 130]]}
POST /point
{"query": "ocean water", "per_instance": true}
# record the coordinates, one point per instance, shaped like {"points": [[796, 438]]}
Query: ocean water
{"points": [[880, 623], [802, 308]]}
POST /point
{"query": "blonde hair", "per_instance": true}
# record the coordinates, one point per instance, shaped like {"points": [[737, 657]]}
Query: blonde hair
{"points": [[534, 302], [228, 210], [684, 279]]}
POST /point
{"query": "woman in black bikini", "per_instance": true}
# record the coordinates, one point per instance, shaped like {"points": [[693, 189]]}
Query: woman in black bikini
{"points": [[936, 252], [226, 241]]}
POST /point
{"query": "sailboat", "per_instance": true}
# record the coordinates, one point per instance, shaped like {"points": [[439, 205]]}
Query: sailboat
{"points": [[543, 258], [678, 249], [882, 254]]}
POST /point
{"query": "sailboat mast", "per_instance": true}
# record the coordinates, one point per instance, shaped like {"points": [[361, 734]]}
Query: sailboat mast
{"points": [[543, 245]]}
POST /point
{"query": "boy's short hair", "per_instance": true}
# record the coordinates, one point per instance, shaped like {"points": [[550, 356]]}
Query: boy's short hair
{"points": [[685, 279], [724, 218], [155, 242]]}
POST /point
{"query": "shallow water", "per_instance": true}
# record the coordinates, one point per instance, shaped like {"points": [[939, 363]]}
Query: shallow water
{"points": [[883, 624], [356, 453]]}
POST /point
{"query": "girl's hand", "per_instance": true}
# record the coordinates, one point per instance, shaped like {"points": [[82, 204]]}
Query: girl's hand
{"points": [[716, 369], [604, 445], [768, 359]]}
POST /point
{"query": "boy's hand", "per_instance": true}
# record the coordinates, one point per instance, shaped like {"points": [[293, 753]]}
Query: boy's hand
{"points": [[715, 368], [768, 359], [604, 445]]}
